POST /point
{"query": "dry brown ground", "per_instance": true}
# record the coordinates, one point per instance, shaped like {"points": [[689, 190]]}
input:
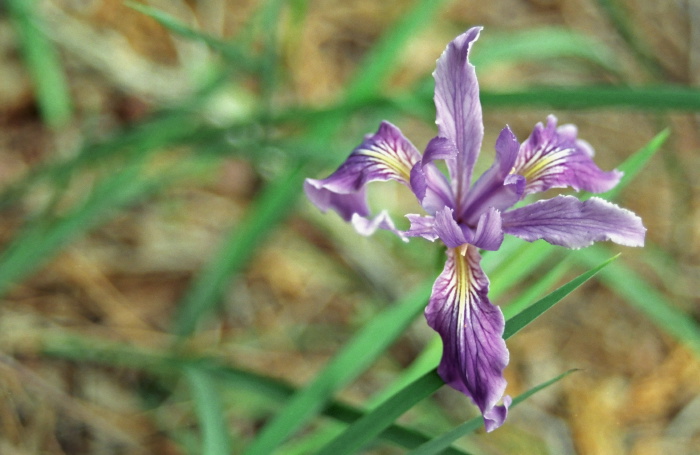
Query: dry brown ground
{"points": [[638, 391]]}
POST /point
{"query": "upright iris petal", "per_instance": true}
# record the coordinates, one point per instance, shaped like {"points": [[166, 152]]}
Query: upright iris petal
{"points": [[467, 219], [459, 117]]}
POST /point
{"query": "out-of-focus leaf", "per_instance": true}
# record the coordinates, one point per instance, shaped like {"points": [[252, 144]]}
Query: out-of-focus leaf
{"points": [[42, 61], [541, 44], [215, 436], [275, 202], [636, 291], [439, 444], [367, 428], [357, 355]]}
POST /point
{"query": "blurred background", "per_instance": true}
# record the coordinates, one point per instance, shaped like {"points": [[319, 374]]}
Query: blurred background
{"points": [[151, 210]]}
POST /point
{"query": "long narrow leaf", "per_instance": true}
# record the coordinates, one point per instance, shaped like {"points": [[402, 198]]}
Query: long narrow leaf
{"points": [[545, 282], [215, 437], [41, 59], [525, 317], [227, 49], [635, 163], [371, 425], [39, 241], [366, 429], [439, 444], [654, 98], [275, 202], [82, 350], [358, 354], [637, 292]]}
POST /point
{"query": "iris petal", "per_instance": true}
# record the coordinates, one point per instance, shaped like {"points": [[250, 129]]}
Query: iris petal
{"points": [[429, 184], [496, 187], [474, 353], [385, 155], [554, 158], [459, 116], [421, 226], [567, 221]]}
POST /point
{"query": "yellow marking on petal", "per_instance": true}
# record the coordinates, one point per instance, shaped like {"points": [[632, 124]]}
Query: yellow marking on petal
{"points": [[536, 167], [531, 172], [462, 278], [399, 167]]}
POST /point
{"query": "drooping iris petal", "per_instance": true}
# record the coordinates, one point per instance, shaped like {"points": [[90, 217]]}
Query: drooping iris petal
{"points": [[385, 155], [367, 226], [554, 158], [346, 204], [429, 184], [459, 117], [421, 226], [474, 353], [496, 187], [569, 222]]}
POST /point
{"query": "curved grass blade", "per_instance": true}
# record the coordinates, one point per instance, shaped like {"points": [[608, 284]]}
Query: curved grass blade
{"points": [[620, 19], [525, 317], [227, 49], [371, 425], [366, 429], [439, 444], [635, 163], [654, 98], [275, 202], [542, 44], [365, 347], [545, 282], [379, 63], [637, 292], [42, 62], [215, 437], [41, 239], [167, 365]]}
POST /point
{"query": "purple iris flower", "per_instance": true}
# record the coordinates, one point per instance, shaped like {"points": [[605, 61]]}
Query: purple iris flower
{"points": [[468, 217]]}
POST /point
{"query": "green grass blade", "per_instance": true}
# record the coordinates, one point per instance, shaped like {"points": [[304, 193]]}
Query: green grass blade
{"points": [[381, 60], [276, 201], [439, 444], [519, 303], [525, 317], [42, 61], [637, 292], [82, 350], [620, 19], [227, 49], [215, 437], [654, 98], [635, 163], [529, 256], [366, 429], [422, 365], [371, 425], [541, 44], [40, 240], [358, 354]]}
